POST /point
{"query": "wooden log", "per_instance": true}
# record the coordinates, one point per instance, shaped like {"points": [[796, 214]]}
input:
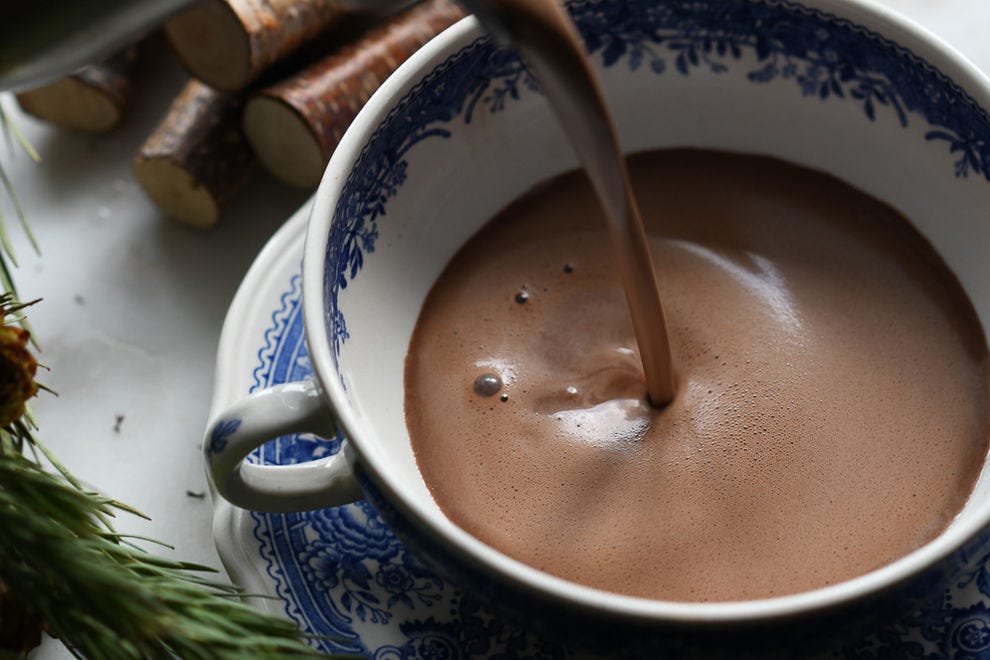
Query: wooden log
{"points": [[294, 126], [92, 99], [229, 43], [197, 158]]}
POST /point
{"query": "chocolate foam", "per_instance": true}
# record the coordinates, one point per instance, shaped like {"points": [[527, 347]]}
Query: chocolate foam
{"points": [[831, 405]]}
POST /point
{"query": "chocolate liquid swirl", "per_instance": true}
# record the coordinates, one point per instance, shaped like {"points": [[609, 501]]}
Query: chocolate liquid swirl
{"points": [[830, 413]]}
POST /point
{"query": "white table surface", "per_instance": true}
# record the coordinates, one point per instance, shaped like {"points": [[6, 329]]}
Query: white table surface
{"points": [[133, 302]]}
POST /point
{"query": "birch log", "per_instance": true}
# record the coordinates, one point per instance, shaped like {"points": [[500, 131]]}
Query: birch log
{"points": [[92, 99], [294, 126], [197, 158], [229, 43]]}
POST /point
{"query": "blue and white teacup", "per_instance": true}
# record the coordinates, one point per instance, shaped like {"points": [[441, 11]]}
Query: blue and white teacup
{"points": [[460, 130]]}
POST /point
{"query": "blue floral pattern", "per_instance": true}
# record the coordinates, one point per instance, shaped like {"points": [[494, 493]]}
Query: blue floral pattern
{"points": [[826, 56], [221, 433], [956, 624]]}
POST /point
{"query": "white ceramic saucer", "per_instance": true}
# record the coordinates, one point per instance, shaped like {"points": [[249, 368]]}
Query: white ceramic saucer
{"points": [[341, 572]]}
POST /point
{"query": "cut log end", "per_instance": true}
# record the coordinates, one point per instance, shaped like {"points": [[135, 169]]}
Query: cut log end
{"points": [[93, 99], [295, 125], [176, 192], [211, 43], [72, 104], [197, 159], [283, 142]]}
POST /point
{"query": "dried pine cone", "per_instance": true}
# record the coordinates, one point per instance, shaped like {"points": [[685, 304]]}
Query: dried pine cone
{"points": [[20, 631], [17, 369]]}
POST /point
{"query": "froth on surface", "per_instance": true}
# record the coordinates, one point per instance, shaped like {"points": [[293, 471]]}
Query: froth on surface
{"points": [[831, 410]]}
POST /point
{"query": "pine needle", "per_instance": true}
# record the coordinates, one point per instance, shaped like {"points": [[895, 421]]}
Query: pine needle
{"points": [[5, 180], [10, 129], [8, 247]]}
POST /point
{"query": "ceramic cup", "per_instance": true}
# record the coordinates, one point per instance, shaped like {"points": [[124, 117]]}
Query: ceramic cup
{"points": [[842, 86]]}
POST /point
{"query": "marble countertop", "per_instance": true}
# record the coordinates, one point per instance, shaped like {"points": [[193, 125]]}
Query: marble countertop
{"points": [[133, 303]]}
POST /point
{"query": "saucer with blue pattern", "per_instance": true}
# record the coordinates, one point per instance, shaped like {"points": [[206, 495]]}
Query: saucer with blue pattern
{"points": [[342, 576]]}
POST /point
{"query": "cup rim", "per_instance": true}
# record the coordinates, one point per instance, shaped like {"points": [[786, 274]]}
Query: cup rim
{"points": [[867, 13]]}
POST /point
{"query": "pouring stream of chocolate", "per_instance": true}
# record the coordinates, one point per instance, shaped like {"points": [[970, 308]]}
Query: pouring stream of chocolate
{"points": [[542, 31]]}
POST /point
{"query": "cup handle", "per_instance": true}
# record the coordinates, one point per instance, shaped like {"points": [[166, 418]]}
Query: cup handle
{"points": [[265, 415]]}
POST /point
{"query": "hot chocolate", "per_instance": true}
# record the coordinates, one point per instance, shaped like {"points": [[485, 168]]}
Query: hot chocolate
{"points": [[831, 405]]}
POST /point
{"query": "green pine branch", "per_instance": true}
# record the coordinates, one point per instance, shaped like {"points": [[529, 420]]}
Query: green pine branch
{"points": [[106, 598], [63, 568]]}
